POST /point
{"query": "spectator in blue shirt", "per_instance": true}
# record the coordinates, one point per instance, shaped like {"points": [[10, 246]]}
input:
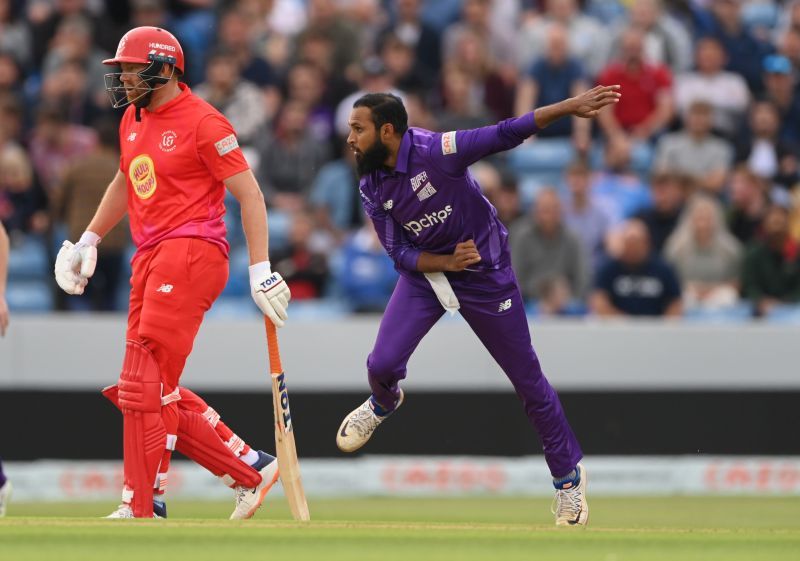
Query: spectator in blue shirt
{"points": [[333, 195], [551, 78], [637, 283], [366, 274], [723, 21]]}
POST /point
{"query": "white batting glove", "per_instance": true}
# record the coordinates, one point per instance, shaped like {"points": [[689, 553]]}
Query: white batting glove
{"points": [[75, 263], [270, 292]]}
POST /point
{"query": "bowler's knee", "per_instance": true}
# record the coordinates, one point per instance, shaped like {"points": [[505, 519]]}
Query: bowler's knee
{"points": [[383, 366]]}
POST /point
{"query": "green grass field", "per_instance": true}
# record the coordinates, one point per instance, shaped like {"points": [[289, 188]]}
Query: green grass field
{"points": [[621, 529]]}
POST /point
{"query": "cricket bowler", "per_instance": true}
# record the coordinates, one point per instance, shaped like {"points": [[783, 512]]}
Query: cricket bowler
{"points": [[452, 254], [178, 155]]}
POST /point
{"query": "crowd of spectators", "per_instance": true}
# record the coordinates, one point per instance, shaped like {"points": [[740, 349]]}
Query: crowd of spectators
{"points": [[682, 200]]}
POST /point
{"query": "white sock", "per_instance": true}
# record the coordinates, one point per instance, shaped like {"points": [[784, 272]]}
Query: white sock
{"points": [[250, 458]]}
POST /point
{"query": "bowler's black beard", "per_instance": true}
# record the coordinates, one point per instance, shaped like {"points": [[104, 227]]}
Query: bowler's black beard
{"points": [[372, 158]]}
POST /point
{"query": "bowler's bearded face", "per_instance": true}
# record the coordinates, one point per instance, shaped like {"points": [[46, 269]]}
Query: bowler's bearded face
{"points": [[370, 152]]}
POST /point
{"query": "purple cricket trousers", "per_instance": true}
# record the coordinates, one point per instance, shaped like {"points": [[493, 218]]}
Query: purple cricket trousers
{"points": [[492, 305]]}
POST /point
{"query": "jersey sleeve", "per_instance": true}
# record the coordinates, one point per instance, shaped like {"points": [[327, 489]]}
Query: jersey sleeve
{"points": [[390, 233], [218, 147], [453, 152]]}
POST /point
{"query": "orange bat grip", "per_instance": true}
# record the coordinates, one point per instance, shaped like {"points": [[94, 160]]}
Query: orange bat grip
{"points": [[272, 343]]}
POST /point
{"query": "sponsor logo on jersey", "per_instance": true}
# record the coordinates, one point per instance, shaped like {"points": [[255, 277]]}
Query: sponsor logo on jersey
{"points": [[142, 173], [426, 192], [227, 144], [504, 306], [165, 288], [388, 204], [132, 137], [419, 180], [429, 220], [449, 143], [168, 139]]}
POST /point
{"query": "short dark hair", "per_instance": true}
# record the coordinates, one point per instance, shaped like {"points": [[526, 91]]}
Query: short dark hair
{"points": [[385, 108]]}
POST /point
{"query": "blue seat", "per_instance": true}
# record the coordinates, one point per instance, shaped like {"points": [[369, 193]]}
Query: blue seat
{"points": [[29, 296], [324, 308], [760, 15], [239, 277], [786, 314], [741, 312], [530, 184], [642, 155], [550, 155], [28, 260], [279, 223]]}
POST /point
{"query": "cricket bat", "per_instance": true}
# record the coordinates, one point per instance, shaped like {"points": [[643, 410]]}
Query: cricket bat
{"points": [[288, 465]]}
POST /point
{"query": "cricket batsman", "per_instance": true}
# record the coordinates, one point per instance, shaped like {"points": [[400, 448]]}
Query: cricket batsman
{"points": [[178, 154], [452, 254]]}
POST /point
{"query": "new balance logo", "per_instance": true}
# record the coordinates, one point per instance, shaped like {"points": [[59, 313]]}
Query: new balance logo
{"points": [[165, 288], [388, 204], [504, 305], [132, 137]]}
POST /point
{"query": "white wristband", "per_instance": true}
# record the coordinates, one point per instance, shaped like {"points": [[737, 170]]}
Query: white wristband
{"points": [[89, 238], [258, 270]]}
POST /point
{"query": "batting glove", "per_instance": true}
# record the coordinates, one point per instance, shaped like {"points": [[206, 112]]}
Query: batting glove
{"points": [[75, 263], [270, 292]]}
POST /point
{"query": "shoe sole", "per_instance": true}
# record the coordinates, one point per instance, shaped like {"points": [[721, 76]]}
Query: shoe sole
{"points": [[262, 495], [339, 443]]}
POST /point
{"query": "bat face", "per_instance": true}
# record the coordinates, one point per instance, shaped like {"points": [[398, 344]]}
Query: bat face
{"points": [[288, 466], [283, 415]]}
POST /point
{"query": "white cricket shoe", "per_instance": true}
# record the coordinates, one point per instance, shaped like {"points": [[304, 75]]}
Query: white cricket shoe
{"points": [[124, 510], [5, 496], [570, 505], [358, 426], [249, 499]]}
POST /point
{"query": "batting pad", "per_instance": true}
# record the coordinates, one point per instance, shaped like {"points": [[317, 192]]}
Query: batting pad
{"points": [[144, 436], [199, 441]]}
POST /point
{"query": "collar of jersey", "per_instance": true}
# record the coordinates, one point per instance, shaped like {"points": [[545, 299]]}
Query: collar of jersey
{"points": [[403, 154], [185, 91]]}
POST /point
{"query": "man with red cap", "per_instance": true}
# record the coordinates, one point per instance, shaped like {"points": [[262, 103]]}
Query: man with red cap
{"points": [[178, 155]]}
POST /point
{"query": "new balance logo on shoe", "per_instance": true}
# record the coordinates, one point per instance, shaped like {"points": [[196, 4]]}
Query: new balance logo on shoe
{"points": [[504, 305], [166, 288]]}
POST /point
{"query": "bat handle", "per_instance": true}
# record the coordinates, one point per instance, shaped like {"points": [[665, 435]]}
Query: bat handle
{"points": [[272, 343]]}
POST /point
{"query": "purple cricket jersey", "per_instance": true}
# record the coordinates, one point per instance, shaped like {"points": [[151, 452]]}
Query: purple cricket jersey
{"points": [[430, 201]]}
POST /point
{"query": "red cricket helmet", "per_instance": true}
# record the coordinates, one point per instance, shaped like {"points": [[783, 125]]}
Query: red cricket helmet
{"points": [[152, 46], [147, 44]]}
